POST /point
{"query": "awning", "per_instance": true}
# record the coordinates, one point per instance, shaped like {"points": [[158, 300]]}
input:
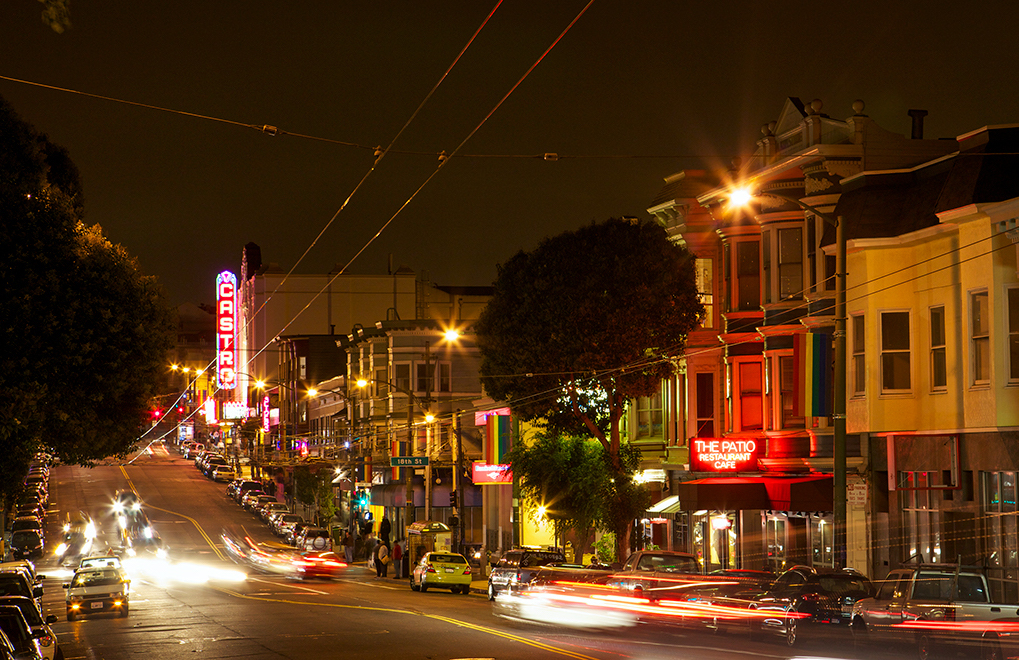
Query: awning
{"points": [[670, 504], [799, 493]]}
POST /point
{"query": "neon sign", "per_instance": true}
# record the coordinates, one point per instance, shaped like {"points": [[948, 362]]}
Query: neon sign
{"points": [[486, 474], [723, 455], [265, 413], [226, 330]]}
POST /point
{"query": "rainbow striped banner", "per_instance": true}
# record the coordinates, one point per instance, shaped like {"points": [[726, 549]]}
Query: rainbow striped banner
{"points": [[812, 375], [394, 451], [498, 438]]}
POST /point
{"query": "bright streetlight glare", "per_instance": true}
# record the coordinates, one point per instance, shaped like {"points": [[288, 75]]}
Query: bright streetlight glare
{"points": [[429, 417], [740, 197], [260, 384], [312, 391], [452, 334], [361, 382]]}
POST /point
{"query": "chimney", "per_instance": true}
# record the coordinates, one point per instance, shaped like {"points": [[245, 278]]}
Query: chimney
{"points": [[917, 116]]}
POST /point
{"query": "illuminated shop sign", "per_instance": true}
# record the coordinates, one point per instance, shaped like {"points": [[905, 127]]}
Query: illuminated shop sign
{"points": [[723, 455], [266, 404], [485, 474], [226, 330], [234, 410]]}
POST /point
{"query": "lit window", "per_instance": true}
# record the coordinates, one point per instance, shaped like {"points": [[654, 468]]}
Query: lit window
{"points": [[1013, 334], [895, 360], [750, 396]]}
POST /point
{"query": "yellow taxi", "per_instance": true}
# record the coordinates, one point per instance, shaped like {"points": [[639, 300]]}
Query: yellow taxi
{"points": [[445, 570]]}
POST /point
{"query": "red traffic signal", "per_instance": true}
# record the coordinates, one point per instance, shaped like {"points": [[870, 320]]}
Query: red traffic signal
{"points": [[156, 414]]}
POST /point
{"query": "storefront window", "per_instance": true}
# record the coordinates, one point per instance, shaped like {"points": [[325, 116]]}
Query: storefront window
{"points": [[775, 527], [715, 536], [821, 540], [921, 519], [999, 504]]}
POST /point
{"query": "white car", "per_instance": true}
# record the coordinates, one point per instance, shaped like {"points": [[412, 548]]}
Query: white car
{"points": [[97, 588]]}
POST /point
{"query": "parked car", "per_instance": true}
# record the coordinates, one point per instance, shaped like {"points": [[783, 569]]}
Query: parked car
{"points": [[657, 574], [27, 544], [445, 570], [14, 582], [243, 487], [97, 588], [282, 524], [253, 504], [327, 565], [210, 464], [272, 507], [223, 473], [517, 567], [27, 522], [45, 638], [17, 630], [252, 497], [807, 601], [295, 532], [921, 603]]}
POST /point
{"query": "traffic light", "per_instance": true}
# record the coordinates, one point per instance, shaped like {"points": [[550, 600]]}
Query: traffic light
{"points": [[452, 498], [362, 498], [156, 414]]}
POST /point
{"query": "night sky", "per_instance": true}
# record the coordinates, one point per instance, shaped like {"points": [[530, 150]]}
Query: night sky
{"points": [[668, 84]]}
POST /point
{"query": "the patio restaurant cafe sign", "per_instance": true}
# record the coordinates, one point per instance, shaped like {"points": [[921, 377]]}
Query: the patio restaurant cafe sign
{"points": [[724, 454]]}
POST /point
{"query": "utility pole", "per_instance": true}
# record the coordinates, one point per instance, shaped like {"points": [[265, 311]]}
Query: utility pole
{"points": [[458, 482], [839, 412]]}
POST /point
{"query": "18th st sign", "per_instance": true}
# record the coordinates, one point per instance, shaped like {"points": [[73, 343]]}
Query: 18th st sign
{"points": [[723, 454]]}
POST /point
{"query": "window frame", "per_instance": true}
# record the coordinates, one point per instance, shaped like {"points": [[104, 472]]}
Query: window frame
{"points": [[1012, 293], [980, 370], [859, 352], [887, 351], [938, 351]]}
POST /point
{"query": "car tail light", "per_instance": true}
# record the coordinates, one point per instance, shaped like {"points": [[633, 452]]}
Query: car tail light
{"points": [[467, 571], [431, 569], [45, 641]]}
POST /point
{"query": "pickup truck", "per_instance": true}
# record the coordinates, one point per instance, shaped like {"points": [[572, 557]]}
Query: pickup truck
{"points": [[934, 605], [656, 574]]}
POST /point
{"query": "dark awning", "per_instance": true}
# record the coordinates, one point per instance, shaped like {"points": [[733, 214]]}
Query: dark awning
{"points": [[799, 493]]}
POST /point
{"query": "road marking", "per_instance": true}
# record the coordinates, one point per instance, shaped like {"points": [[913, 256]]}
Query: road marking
{"points": [[174, 513], [451, 621], [288, 586]]}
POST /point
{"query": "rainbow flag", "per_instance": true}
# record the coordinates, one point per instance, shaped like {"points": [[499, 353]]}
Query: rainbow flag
{"points": [[813, 374], [395, 451], [498, 438]]}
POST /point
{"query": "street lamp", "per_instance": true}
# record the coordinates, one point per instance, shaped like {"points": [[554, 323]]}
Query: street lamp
{"points": [[741, 197]]}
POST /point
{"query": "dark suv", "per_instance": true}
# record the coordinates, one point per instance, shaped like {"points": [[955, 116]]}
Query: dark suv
{"points": [[810, 599], [518, 567]]}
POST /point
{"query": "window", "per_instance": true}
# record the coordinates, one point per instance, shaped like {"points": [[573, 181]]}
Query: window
{"points": [[750, 399], [401, 376], [786, 376], [649, 416], [766, 263], [748, 275], [999, 507], [705, 396], [423, 378], [921, 519], [812, 253], [980, 336], [939, 368], [705, 285], [895, 363], [859, 356], [1013, 334], [790, 263], [380, 386], [445, 383]]}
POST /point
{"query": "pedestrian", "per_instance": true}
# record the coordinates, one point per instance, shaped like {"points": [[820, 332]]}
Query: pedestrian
{"points": [[398, 560], [385, 528], [348, 547], [382, 562]]}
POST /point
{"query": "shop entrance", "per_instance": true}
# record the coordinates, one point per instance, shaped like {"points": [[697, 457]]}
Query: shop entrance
{"points": [[714, 539]]}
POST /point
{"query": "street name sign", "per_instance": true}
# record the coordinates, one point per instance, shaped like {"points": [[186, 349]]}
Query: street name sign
{"points": [[408, 461]]}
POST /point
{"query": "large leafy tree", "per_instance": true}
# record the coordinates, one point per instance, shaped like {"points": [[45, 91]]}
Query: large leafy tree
{"points": [[587, 321], [83, 334]]}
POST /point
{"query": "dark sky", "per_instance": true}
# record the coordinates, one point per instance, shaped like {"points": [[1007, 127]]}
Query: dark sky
{"points": [[675, 84]]}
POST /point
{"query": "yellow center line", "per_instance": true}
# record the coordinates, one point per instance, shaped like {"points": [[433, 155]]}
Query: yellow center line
{"points": [[174, 513], [455, 622]]}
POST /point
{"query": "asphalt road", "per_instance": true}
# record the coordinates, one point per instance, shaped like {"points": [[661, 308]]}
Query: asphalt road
{"points": [[195, 607]]}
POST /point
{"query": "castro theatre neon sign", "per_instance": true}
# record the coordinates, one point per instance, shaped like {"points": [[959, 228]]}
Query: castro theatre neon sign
{"points": [[723, 455], [226, 330]]}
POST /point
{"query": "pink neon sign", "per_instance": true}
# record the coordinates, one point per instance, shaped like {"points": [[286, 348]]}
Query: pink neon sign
{"points": [[226, 330]]}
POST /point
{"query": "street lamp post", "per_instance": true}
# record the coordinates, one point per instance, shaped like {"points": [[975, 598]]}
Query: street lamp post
{"points": [[839, 516]]}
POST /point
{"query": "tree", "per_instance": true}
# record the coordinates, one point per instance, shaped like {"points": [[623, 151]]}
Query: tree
{"points": [[83, 334], [563, 476], [313, 487], [587, 321]]}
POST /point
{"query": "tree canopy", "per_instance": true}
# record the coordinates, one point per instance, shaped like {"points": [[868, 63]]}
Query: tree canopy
{"points": [[84, 335], [587, 321]]}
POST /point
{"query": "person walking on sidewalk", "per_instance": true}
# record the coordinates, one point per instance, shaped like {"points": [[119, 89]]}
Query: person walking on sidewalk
{"points": [[348, 547], [398, 560], [382, 559]]}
